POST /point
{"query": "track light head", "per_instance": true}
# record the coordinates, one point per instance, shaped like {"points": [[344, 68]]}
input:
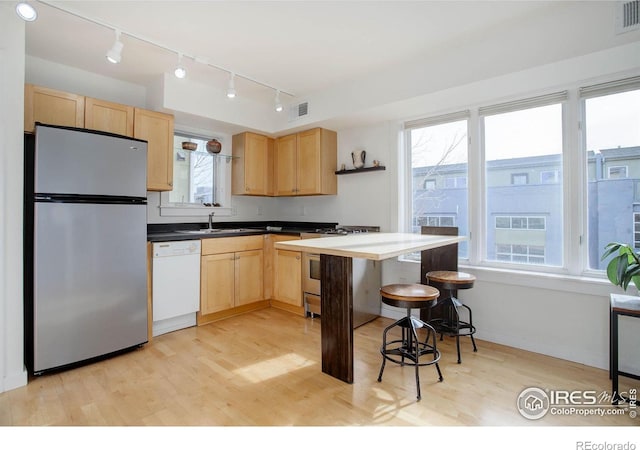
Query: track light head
{"points": [[180, 71], [278, 103], [26, 12], [114, 55], [231, 90]]}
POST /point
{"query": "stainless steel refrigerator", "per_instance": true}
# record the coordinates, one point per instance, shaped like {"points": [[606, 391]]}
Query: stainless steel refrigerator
{"points": [[85, 246]]}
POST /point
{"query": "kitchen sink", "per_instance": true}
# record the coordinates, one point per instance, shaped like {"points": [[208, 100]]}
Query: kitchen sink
{"points": [[217, 230]]}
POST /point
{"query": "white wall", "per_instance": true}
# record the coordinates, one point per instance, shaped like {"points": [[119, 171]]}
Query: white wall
{"points": [[12, 32]]}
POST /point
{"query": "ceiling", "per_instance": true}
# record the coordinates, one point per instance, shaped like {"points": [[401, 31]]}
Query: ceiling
{"points": [[296, 46], [299, 47]]}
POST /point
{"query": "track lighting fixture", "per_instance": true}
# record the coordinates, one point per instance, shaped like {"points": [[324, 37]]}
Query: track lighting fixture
{"points": [[231, 90], [278, 103], [180, 71], [26, 12], [114, 55]]}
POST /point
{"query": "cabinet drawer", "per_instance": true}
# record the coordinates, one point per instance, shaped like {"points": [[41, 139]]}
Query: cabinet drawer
{"points": [[231, 244]]}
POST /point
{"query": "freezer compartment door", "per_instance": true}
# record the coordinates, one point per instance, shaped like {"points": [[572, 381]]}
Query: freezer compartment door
{"points": [[90, 281], [72, 161]]}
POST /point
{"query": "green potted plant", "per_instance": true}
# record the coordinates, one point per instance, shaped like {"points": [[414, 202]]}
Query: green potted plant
{"points": [[624, 267]]}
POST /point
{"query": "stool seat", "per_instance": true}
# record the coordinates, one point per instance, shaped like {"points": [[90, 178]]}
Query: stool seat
{"points": [[449, 281], [409, 295], [408, 349]]}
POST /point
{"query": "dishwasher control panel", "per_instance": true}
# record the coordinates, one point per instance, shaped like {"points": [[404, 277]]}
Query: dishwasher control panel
{"points": [[176, 248]]}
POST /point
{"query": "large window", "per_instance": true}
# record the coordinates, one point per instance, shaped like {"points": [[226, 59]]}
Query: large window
{"points": [[612, 131], [551, 179], [523, 143], [439, 195]]}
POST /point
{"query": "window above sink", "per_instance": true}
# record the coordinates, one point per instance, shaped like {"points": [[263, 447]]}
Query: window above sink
{"points": [[201, 180]]}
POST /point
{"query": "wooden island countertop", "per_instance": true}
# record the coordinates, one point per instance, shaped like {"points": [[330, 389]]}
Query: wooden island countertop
{"points": [[375, 246], [336, 298]]}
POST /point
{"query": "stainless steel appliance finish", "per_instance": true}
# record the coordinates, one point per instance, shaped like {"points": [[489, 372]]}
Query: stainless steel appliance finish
{"points": [[89, 268], [367, 278]]}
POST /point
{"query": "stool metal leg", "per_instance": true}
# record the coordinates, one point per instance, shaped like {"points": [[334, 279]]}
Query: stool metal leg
{"points": [[451, 325], [410, 347]]}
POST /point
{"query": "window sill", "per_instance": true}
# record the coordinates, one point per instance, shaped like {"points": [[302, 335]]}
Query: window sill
{"points": [[575, 284], [588, 285]]}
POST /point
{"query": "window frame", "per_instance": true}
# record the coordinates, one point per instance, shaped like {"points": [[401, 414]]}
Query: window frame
{"points": [[176, 209], [405, 218]]}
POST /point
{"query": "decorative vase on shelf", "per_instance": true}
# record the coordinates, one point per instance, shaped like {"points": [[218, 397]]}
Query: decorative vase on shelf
{"points": [[358, 157], [214, 146]]}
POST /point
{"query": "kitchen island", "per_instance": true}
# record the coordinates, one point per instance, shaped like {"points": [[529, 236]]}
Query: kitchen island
{"points": [[336, 256]]}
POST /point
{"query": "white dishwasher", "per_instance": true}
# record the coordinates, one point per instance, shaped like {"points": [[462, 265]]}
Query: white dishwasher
{"points": [[175, 285]]}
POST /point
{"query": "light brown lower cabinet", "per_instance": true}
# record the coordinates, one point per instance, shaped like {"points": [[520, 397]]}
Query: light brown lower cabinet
{"points": [[231, 277], [286, 276], [287, 285]]}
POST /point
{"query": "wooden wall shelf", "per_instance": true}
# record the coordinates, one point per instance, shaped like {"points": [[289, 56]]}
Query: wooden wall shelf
{"points": [[364, 169]]}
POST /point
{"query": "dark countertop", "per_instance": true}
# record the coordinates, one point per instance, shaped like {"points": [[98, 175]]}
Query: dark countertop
{"points": [[188, 231]]}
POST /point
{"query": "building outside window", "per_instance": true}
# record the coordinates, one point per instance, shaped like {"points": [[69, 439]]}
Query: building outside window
{"points": [[617, 172], [549, 176], [522, 141], [437, 149], [519, 178], [636, 230], [436, 221], [523, 149], [612, 135]]}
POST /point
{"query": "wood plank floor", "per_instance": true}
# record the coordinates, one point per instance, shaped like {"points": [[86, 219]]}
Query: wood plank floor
{"points": [[263, 369]]}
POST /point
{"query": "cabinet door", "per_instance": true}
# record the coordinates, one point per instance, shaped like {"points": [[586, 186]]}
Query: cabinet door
{"points": [[285, 165], [217, 282], [157, 129], [52, 107], [256, 163], [110, 117], [249, 268], [309, 162], [252, 165], [288, 277]]}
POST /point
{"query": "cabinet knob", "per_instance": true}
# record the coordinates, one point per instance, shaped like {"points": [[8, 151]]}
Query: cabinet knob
{"points": [[297, 257]]}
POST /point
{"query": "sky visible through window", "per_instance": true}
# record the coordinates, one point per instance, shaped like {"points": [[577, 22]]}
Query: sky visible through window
{"points": [[614, 121]]}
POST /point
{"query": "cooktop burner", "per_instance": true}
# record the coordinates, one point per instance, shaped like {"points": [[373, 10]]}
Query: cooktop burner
{"points": [[348, 230]]}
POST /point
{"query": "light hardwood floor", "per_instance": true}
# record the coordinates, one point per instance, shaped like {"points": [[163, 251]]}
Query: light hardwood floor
{"points": [[263, 369]]}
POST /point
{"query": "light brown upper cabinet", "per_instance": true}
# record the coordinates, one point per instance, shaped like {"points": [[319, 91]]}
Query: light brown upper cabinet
{"points": [[157, 129], [107, 116], [285, 163], [252, 165], [305, 163], [52, 107]]}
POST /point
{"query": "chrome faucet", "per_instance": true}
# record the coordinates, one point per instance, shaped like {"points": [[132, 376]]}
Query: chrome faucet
{"points": [[211, 220]]}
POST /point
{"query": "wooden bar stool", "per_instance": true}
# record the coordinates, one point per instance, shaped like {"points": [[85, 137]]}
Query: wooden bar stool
{"points": [[621, 305], [409, 348], [449, 323]]}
